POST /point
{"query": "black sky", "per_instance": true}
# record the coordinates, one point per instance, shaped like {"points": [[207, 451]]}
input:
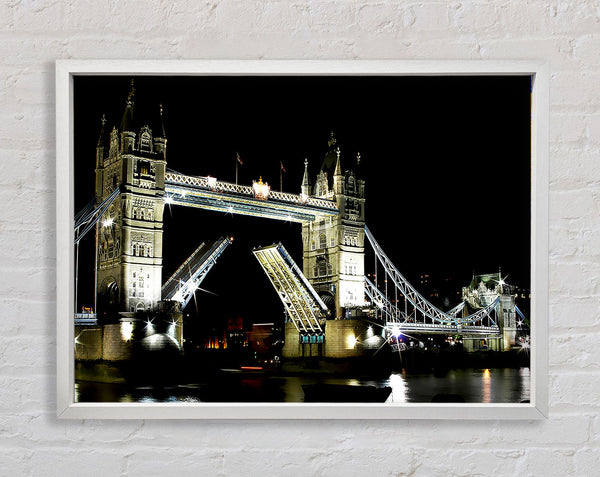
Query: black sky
{"points": [[446, 162]]}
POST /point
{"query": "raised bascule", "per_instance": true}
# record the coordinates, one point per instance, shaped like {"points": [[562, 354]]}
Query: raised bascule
{"points": [[331, 307]]}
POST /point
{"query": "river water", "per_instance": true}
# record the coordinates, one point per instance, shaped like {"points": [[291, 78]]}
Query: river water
{"points": [[495, 385]]}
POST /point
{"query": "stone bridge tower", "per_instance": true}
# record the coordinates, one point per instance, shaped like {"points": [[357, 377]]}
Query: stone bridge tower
{"points": [[334, 247], [129, 235]]}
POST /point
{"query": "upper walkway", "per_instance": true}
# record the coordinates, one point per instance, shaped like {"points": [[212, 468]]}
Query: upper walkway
{"points": [[258, 200]]}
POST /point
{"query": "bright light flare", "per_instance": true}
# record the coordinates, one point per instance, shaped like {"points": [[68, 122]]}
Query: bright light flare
{"points": [[108, 222], [192, 287], [351, 341], [261, 189], [168, 200], [525, 344], [126, 330]]}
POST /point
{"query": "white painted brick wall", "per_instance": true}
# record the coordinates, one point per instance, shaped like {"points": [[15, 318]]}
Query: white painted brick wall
{"points": [[36, 33]]}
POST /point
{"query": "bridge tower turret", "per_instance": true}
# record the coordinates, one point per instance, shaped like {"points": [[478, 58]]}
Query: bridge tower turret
{"points": [[129, 234], [305, 188], [334, 247], [481, 292], [508, 315]]}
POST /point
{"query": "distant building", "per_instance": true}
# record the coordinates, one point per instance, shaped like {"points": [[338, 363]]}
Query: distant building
{"points": [[237, 337]]}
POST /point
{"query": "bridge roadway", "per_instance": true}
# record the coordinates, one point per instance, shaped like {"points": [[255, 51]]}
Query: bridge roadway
{"points": [[211, 194], [440, 329]]}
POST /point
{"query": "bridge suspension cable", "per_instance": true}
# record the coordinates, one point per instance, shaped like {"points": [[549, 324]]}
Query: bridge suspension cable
{"points": [[421, 303], [520, 313], [392, 313], [89, 216]]}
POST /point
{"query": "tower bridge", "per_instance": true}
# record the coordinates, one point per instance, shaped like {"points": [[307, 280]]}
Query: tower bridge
{"points": [[329, 303]]}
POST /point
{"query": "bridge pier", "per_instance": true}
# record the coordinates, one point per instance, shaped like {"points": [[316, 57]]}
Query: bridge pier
{"points": [[342, 339], [130, 337], [481, 343]]}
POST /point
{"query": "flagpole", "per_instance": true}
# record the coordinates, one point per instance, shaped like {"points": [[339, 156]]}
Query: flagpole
{"points": [[236, 169], [281, 171]]}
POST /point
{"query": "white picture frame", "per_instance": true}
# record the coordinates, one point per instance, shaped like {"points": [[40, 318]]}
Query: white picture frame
{"points": [[537, 408]]}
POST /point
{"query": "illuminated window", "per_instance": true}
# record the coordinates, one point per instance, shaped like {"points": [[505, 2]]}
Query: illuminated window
{"points": [[322, 241]]}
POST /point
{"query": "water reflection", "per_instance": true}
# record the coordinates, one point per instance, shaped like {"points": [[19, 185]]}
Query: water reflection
{"points": [[462, 385], [486, 385], [470, 385], [398, 384]]}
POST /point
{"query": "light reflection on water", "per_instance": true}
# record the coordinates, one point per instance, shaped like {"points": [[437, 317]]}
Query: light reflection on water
{"points": [[398, 385], [470, 385], [486, 384], [503, 385]]}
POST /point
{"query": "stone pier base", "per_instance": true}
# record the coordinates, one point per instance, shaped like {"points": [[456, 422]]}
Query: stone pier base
{"points": [[343, 339]]}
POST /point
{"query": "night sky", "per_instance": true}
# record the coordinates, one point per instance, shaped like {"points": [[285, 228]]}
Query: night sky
{"points": [[446, 162]]}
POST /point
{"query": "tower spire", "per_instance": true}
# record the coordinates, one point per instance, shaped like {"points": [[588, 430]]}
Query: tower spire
{"points": [[338, 165], [102, 137], [305, 182], [161, 124], [127, 120], [102, 143], [332, 140]]}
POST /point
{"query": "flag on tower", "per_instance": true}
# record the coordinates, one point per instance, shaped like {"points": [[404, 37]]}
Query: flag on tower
{"points": [[239, 159], [281, 171]]}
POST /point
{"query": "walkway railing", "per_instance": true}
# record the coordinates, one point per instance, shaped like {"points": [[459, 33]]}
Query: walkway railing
{"points": [[86, 319]]}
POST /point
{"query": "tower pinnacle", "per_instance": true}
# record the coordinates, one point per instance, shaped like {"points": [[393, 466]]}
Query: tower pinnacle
{"points": [[102, 137], [338, 165], [305, 182], [127, 120]]}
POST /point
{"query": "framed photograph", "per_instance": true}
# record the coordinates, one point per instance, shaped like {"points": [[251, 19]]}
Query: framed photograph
{"points": [[302, 239]]}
